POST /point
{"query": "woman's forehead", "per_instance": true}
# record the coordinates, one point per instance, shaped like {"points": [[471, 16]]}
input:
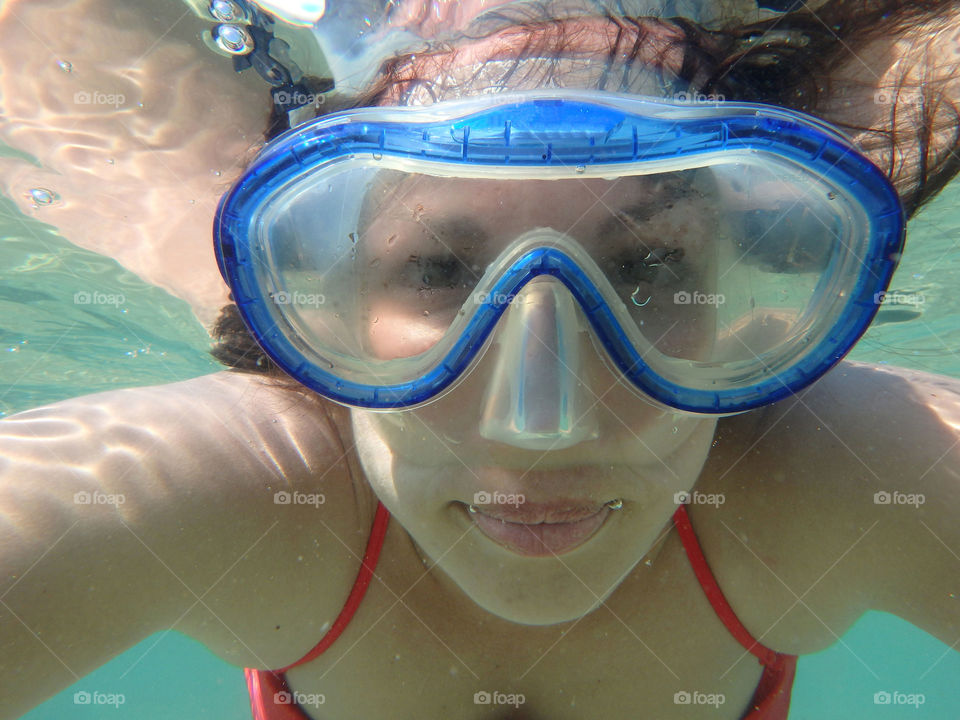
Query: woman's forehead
{"points": [[573, 53]]}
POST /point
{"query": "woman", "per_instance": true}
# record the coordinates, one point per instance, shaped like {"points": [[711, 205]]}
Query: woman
{"points": [[538, 555]]}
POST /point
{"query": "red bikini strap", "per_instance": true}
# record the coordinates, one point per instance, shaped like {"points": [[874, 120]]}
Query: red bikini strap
{"points": [[360, 585], [712, 590]]}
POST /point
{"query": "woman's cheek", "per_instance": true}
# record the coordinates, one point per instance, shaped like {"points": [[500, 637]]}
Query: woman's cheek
{"points": [[394, 333]]}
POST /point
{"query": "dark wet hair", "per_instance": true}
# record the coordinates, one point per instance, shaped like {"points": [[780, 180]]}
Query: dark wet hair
{"points": [[789, 61]]}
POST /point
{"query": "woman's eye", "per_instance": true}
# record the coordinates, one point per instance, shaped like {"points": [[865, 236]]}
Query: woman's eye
{"points": [[439, 272]]}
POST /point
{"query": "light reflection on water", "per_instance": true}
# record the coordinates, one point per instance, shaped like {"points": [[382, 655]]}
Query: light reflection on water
{"points": [[920, 325], [74, 322]]}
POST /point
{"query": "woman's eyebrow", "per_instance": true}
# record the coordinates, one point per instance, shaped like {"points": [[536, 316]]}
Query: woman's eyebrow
{"points": [[456, 230]]}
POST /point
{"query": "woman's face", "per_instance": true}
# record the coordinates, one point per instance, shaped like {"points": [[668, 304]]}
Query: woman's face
{"points": [[544, 545]]}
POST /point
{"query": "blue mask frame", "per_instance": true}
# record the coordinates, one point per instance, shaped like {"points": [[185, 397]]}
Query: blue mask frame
{"points": [[559, 129]]}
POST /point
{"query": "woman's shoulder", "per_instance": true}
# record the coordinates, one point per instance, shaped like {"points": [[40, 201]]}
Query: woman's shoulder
{"points": [[881, 420], [237, 486], [859, 421], [836, 501]]}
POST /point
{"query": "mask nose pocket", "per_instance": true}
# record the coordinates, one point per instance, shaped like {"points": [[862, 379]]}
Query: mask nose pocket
{"points": [[536, 398]]}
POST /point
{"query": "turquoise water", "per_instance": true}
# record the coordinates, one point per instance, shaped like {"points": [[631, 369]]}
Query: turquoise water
{"points": [[54, 348]]}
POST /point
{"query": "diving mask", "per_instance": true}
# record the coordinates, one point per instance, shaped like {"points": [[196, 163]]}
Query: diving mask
{"points": [[715, 257]]}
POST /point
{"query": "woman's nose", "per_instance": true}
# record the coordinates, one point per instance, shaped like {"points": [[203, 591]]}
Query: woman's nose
{"points": [[536, 397]]}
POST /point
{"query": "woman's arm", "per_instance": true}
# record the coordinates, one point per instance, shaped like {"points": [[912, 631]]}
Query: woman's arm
{"points": [[139, 139], [129, 512]]}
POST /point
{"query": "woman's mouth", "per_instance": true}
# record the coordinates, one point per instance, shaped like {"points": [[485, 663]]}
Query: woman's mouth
{"points": [[540, 529]]}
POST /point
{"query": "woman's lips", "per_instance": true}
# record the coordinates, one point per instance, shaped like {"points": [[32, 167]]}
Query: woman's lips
{"points": [[539, 529]]}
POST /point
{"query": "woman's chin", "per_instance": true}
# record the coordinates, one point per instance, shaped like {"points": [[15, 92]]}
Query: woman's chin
{"points": [[536, 610]]}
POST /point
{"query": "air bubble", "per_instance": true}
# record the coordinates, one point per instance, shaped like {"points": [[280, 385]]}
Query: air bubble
{"points": [[225, 11], [233, 39], [41, 197]]}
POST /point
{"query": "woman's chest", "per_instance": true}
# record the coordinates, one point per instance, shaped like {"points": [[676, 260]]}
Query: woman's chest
{"points": [[654, 649]]}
